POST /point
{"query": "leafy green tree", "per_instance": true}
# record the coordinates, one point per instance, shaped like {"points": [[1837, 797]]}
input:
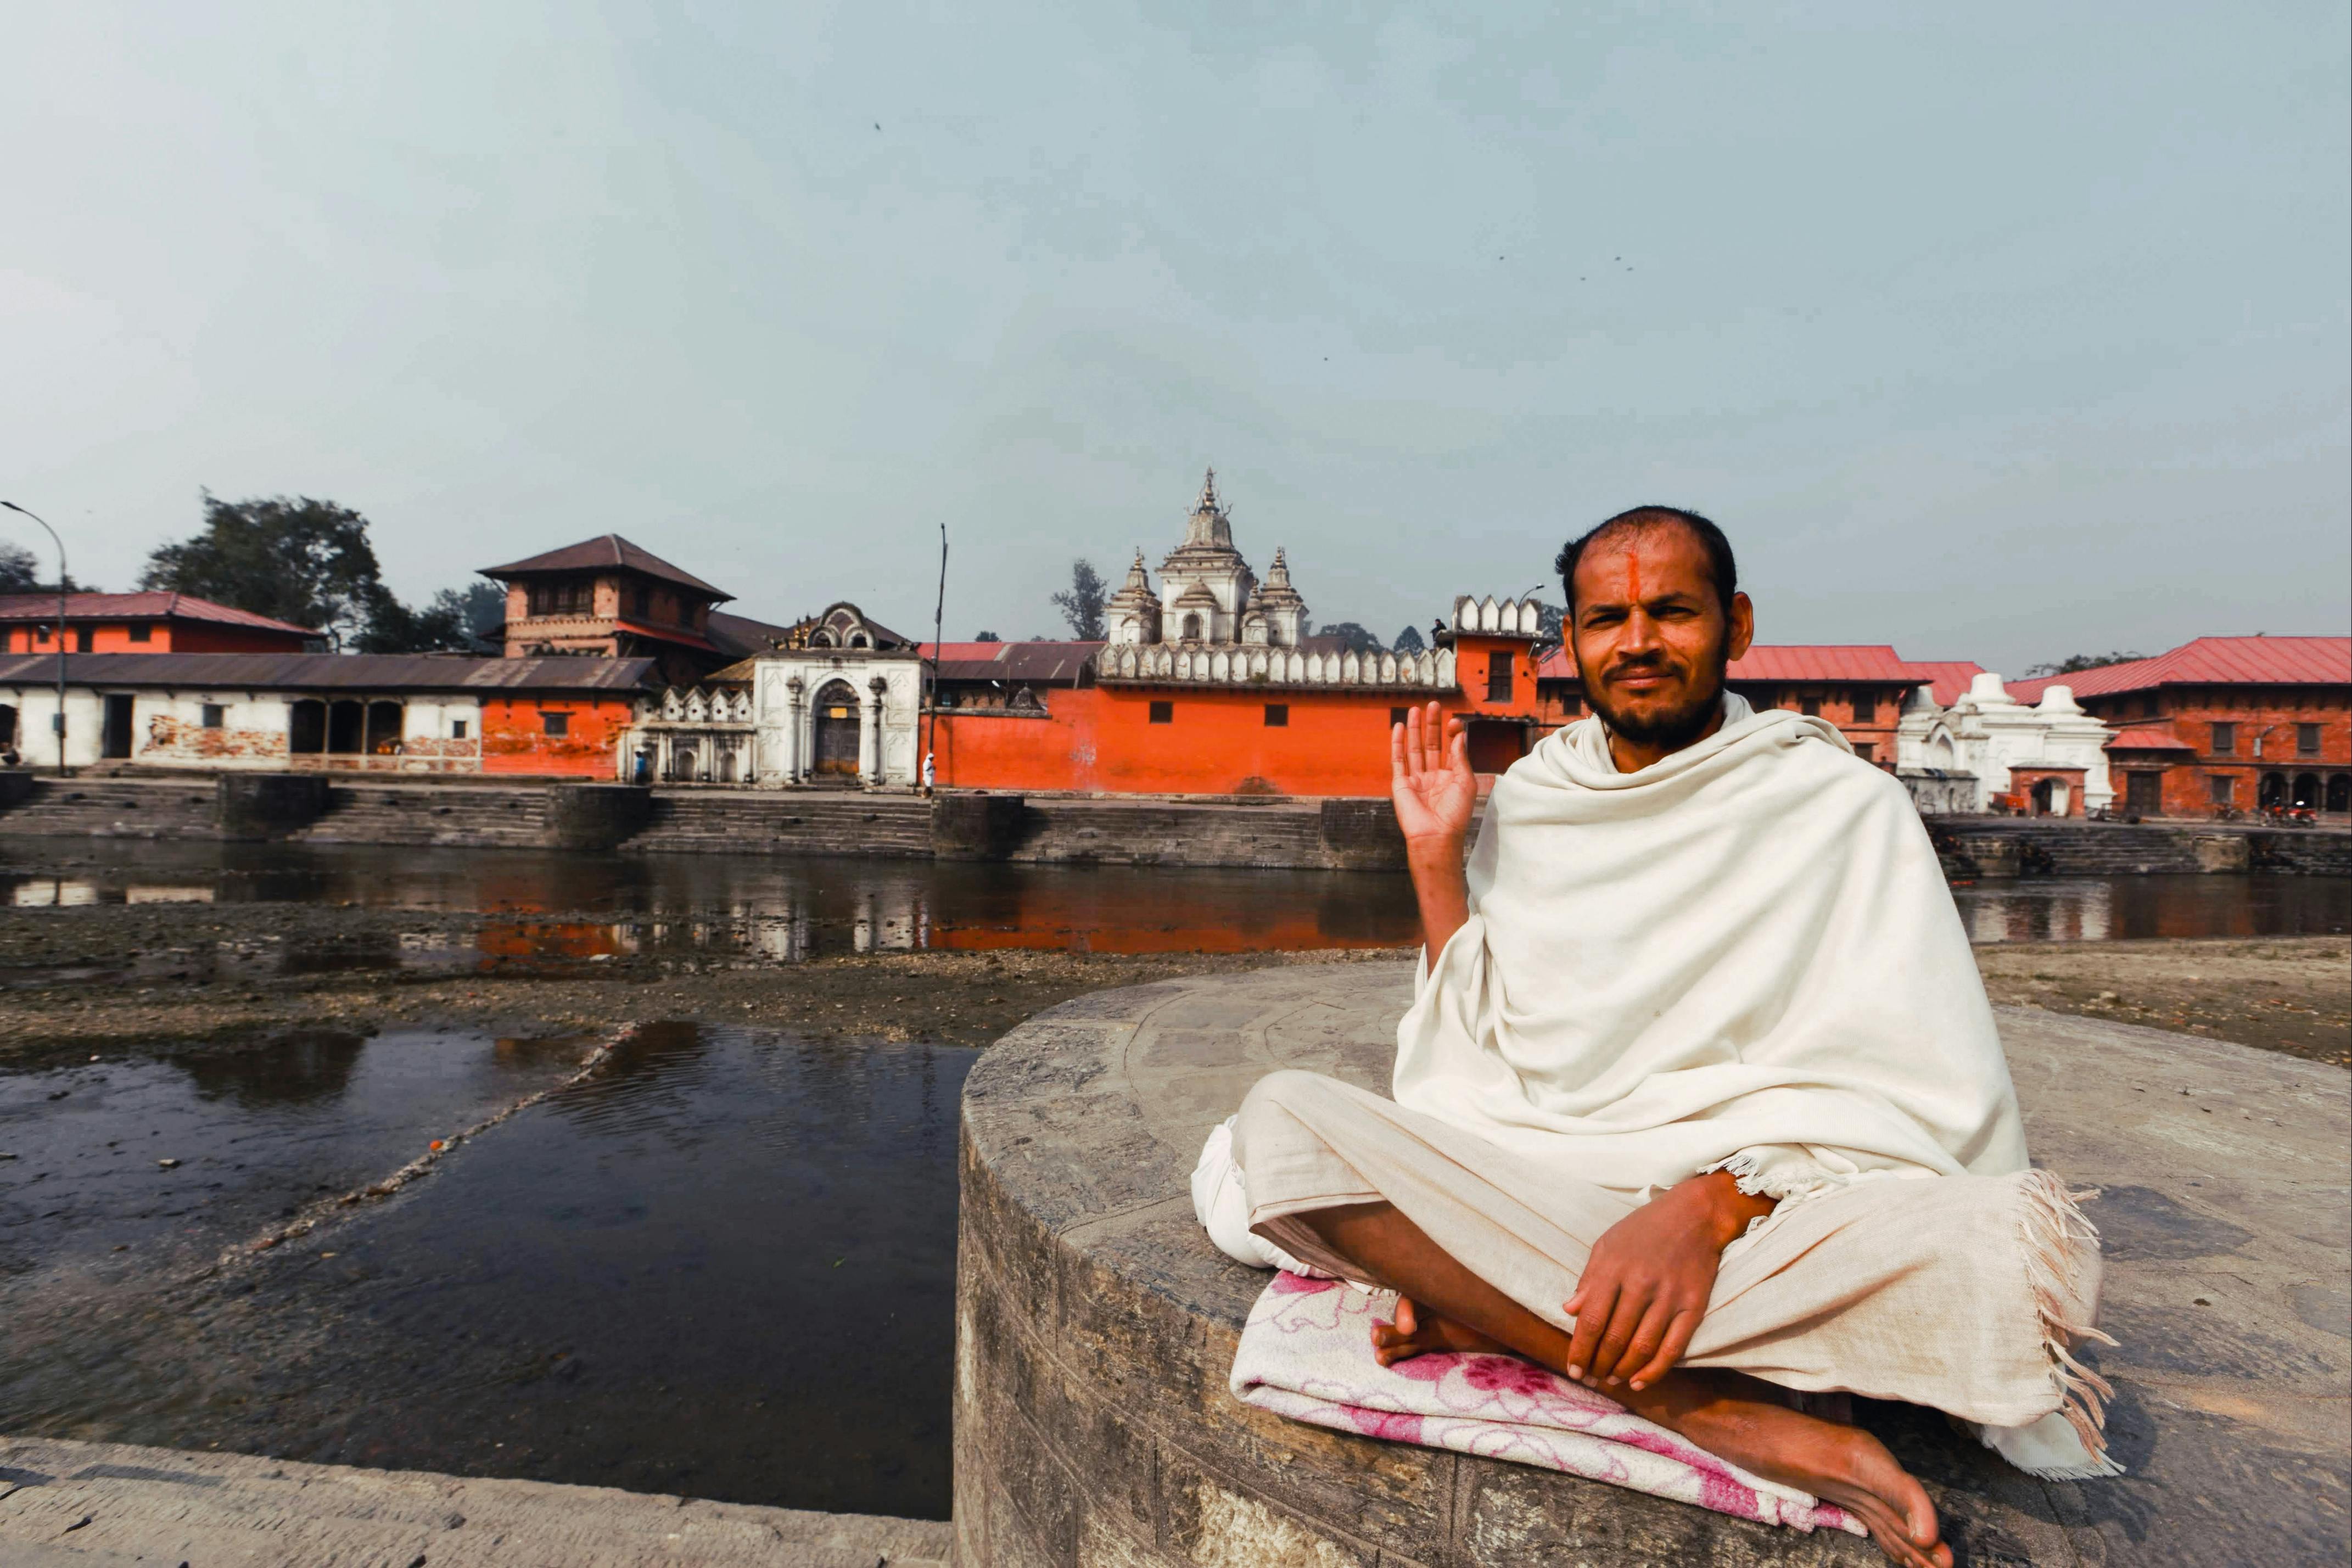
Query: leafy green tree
{"points": [[1408, 641], [986, 636], [1351, 637], [2075, 663], [1082, 606], [291, 558], [458, 620], [20, 572]]}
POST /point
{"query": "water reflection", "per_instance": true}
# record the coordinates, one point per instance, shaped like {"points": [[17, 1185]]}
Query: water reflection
{"points": [[2102, 908], [555, 909], [292, 1069]]}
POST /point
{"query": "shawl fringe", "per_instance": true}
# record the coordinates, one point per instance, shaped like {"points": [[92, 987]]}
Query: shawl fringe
{"points": [[2058, 1244]]}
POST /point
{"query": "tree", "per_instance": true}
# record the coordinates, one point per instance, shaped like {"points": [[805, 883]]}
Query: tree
{"points": [[291, 558], [986, 636], [1351, 637], [20, 572], [1082, 606], [1408, 641], [2076, 663], [458, 620]]}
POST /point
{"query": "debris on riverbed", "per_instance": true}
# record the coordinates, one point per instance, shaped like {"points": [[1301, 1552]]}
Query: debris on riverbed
{"points": [[318, 1213]]}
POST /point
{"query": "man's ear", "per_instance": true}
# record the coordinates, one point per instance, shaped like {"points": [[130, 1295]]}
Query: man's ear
{"points": [[1743, 626]]}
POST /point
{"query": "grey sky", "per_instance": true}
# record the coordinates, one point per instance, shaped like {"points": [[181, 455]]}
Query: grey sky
{"points": [[1994, 332]]}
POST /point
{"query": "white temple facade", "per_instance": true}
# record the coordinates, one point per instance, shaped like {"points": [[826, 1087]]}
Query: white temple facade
{"points": [[1207, 597], [1987, 742], [838, 700]]}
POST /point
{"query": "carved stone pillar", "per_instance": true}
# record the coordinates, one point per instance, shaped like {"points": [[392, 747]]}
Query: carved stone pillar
{"points": [[869, 734], [793, 693]]}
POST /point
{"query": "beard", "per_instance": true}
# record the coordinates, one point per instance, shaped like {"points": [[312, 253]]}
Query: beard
{"points": [[1673, 727]]}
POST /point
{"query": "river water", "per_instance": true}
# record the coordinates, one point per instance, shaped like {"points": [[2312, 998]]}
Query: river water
{"points": [[723, 1266]]}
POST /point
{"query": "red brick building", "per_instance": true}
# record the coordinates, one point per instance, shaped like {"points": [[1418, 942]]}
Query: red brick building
{"points": [[2225, 724], [143, 622], [611, 599]]}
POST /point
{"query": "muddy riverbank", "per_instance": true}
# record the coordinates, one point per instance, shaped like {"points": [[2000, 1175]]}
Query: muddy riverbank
{"points": [[77, 977]]}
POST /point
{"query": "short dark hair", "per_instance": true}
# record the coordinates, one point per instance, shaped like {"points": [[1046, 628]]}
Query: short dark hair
{"points": [[1641, 519]]}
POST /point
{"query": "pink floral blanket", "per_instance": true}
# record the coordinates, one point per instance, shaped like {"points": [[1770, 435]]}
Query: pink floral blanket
{"points": [[1306, 1353]]}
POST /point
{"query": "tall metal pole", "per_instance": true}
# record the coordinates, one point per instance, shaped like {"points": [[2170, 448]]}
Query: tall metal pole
{"points": [[58, 721], [939, 622]]}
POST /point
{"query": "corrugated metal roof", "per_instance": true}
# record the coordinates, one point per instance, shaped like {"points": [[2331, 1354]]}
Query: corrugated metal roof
{"points": [[607, 552], [1025, 663], [328, 671], [140, 606], [1950, 678], [2210, 661]]}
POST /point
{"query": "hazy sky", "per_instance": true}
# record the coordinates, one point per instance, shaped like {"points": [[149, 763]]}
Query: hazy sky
{"points": [[1994, 332]]}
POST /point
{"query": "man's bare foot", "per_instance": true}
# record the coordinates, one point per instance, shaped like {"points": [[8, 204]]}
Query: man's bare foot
{"points": [[1418, 1332], [1733, 1418]]}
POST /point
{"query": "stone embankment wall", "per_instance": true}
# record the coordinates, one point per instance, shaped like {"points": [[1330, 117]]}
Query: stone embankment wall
{"points": [[1280, 832]]}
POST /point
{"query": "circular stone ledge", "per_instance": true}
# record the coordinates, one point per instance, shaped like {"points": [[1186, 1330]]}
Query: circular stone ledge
{"points": [[1096, 1324]]}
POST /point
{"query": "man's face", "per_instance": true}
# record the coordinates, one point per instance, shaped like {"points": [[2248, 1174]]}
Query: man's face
{"points": [[1651, 637]]}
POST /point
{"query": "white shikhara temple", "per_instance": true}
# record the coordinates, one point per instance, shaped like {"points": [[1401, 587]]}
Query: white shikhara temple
{"points": [[1207, 593]]}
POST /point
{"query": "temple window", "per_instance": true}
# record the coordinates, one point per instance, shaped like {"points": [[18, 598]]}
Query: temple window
{"points": [[2225, 743], [1499, 678], [1865, 708], [213, 716], [1277, 715], [142, 634], [1810, 706], [2221, 788], [1192, 628], [1163, 713], [555, 723], [2306, 740]]}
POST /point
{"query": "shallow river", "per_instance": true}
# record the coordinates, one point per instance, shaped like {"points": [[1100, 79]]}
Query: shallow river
{"points": [[724, 1267]]}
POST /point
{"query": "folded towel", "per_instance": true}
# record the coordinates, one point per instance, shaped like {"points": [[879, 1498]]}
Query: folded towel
{"points": [[1306, 1353]]}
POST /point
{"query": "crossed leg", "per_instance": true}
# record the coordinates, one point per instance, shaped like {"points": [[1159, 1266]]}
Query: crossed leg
{"points": [[1445, 1306]]}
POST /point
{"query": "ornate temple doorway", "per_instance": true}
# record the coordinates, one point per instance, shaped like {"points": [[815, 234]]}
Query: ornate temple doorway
{"points": [[836, 731]]}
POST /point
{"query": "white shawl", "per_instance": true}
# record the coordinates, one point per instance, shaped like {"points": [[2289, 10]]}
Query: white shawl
{"points": [[1743, 956]]}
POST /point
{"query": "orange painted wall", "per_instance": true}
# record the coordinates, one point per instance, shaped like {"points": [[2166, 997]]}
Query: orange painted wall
{"points": [[515, 738], [1100, 739]]}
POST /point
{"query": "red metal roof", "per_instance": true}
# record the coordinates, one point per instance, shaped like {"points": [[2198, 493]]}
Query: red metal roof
{"points": [[1028, 663], [2147, 738], [2212, 661], [609, 551], [153, 605], [328, 671], [669, 634], [1859, 662], [1950, 678]]}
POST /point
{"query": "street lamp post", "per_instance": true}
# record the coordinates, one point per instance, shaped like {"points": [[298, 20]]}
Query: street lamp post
{"points": [[58, 722]]}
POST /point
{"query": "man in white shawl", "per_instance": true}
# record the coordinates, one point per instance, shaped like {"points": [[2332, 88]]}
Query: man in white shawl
{"points": [[1699, 1100]]}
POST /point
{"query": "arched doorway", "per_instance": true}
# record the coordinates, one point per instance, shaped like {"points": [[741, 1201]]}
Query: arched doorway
{"points": [[836, 731], [683, 762], [2274, 791], [2306, 790], [2043, 794], [2340, 792]]}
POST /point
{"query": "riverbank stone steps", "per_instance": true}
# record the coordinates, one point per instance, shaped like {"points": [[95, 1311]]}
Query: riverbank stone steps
{"points": [[1096, 1324], [101, 1505], [1274, 834]]}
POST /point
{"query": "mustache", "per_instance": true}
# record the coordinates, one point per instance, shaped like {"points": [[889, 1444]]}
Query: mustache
{"points": [[1643, 664]]}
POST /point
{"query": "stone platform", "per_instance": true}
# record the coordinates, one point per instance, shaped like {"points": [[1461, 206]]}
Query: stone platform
{"points": [[110, 1505], [1096, 1324]]}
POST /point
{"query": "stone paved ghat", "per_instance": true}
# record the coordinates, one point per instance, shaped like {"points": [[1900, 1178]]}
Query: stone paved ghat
{"points": [[1279, 832], [1096, 1324], [110, 1505]]}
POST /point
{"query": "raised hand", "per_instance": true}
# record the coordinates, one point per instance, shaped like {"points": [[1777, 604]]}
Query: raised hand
{"points": [[1430, 778]]}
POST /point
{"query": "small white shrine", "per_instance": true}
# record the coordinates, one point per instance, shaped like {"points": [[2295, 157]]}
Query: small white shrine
{"points": [[1987, 744]]}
